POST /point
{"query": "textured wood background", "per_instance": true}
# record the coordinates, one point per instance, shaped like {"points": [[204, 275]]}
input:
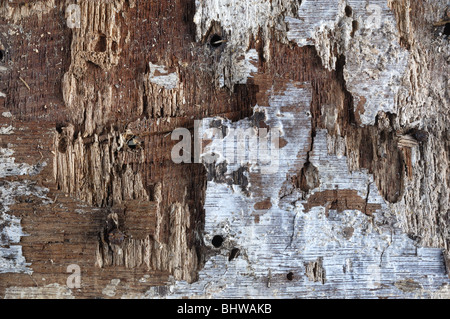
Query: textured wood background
{"points": [[358, 207]]}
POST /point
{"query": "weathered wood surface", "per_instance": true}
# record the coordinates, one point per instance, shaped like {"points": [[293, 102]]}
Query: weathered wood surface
{"points": [[357, 205]]}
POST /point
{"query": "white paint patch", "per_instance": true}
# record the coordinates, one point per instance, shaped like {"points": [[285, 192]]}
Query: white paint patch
{"points": [[7, 114], [11, 258], [144, 279], [375, 62], [443, 293], [235, 16], [312, 18], [8, 166], [334, 174], [285, 237], [11, 229], [368, 38], [6, 130], [160, 75], [241, 70], [110, 289]]}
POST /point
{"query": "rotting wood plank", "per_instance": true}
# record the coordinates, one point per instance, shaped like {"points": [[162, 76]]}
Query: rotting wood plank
{"points": [[357, 90]]}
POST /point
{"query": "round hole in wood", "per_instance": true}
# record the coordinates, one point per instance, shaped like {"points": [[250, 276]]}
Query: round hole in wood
{"points": [[290, 276], [216, 41], [217, 241]]}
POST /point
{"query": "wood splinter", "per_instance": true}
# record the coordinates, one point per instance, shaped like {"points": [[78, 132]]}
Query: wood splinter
{"points": [[219, 42], [26, 84]]}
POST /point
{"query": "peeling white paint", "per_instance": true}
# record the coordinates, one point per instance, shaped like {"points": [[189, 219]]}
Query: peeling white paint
{"points": [[6, 130], [110, 289], [284, 237], [368, 38], [289, 157], [375, 62], [8, 166], [11, 258], [11, 229], [442, 293], [160, 75], [241, 70], [334, 172]]}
